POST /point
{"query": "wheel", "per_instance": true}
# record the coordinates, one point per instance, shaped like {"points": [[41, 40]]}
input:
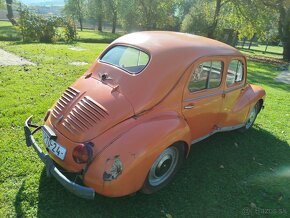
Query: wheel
{"points": [[252, 117], [164, 168]]}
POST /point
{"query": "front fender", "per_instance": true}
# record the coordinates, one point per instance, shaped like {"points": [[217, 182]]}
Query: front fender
{"points": [[134, 153]]}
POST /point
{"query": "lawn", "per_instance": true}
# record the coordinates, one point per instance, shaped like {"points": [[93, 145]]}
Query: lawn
{"points": [[261, 48], [96, 37], [8, 32], [228, 175]]}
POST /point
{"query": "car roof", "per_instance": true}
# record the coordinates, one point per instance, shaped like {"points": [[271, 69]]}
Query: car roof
{"points": [[175, 43], [171, 53]]}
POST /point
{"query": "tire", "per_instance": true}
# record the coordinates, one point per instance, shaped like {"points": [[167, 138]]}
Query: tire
{"points": [[252, 117], [164, 168]]}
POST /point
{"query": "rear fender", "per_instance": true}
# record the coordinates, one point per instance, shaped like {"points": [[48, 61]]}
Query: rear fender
{"points": [[257, 94], [133, 154], [247, 100]]}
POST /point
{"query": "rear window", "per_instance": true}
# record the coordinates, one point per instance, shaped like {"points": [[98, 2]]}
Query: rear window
{"points": [[127, 58]]}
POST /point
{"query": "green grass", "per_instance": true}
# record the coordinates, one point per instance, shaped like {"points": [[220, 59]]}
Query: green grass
{"points": [[274, 52], [96, 37], [8, 32], [222, 175], [270, 49]]}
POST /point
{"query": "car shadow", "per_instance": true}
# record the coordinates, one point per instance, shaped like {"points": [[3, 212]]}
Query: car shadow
{"points": [[222, 175]]}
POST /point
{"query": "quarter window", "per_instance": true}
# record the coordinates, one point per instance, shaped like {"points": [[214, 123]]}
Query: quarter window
{"points": [[235, 72], [206, 75]]}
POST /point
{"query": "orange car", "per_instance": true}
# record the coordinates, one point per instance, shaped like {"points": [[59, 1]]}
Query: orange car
{"points": [[128, 123]]}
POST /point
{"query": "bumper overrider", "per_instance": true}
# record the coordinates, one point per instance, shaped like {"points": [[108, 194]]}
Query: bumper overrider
{"points": [[51, 169]]}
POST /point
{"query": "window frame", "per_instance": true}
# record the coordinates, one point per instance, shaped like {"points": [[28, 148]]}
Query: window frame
{"points": [[223, 65], [119, 67], [236, 83]]}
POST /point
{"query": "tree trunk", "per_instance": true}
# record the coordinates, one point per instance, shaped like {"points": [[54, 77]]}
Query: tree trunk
{"points": [[266, 46], [286, 36], [10, 12], [244, 41], [100, 23], [212, 28], [286, 50], [114, 22], [252, 39], [81, 23], [284, 30], [79, 13]]}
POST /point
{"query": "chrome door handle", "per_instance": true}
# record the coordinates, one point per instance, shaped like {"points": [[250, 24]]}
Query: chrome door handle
{"points": [[189, 107]]}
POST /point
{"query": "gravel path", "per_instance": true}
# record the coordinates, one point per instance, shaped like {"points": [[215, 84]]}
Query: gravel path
{"points": [[7, 59], [284, 77]]}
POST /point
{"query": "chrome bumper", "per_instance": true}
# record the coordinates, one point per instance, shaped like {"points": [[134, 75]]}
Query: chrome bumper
{"points": [[80, 191]]}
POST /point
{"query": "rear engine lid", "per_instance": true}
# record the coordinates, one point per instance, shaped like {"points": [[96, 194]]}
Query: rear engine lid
{"points": [[89, 108]]}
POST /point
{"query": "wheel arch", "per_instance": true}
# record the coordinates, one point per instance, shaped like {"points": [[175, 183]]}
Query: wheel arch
{"points": [[137, 149]]}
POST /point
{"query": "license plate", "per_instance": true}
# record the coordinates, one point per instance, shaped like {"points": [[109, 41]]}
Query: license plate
{"points": [[53, 146]]}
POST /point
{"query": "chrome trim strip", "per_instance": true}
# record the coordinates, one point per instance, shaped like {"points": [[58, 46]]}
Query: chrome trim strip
{"points": [[223, 129], [202, 97], [214, 94], [234, 88]]}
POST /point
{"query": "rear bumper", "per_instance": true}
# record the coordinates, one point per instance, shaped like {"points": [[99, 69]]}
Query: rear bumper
{"points": [[80, 191]]}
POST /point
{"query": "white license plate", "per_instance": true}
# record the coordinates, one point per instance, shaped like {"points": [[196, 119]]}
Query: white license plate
{"points": [[53, 146]]}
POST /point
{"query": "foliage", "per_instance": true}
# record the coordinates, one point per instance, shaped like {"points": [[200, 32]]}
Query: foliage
{"points": [[249, 18], [199, 18], [2, 4], [149, 14], [70, 31], [113, 7], [34, 27], [96, 12], [77, 9]]}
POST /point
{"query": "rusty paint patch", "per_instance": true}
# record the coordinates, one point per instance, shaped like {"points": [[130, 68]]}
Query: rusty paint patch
{"points": [[115, 169]]}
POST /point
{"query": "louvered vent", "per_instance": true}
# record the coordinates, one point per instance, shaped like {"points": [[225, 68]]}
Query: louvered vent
{"points": [[69, 95], [85, 114]]}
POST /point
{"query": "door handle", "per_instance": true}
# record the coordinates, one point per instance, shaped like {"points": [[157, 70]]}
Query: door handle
{"points": [[190, 106]]}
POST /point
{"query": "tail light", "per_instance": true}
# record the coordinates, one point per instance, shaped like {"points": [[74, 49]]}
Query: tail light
{"points": [[83, 153]]}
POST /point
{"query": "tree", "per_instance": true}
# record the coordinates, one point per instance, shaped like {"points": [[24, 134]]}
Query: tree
{"points": [[199, 18], [157, 14], [128, 16], [218, 6], [76, 9], [113, 8], [283, 9], [96, 12], [203, 17]]}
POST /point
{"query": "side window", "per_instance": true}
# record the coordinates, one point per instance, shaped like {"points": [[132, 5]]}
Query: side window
{"points": [[206, 75], [235, 72]]}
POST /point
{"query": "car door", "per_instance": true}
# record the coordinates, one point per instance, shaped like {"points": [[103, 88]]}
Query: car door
{"points": [[202, 101], [233, 111]]}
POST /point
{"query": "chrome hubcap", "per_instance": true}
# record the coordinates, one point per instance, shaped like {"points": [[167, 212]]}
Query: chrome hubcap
{"points": [[251, 118], [163, 167]]}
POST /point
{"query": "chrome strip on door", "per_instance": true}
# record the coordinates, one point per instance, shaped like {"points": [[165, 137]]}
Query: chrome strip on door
{"points": [[223, 129]]}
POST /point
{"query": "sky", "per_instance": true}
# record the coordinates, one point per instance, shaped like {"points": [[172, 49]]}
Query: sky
{"points": [[43, 2]]}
